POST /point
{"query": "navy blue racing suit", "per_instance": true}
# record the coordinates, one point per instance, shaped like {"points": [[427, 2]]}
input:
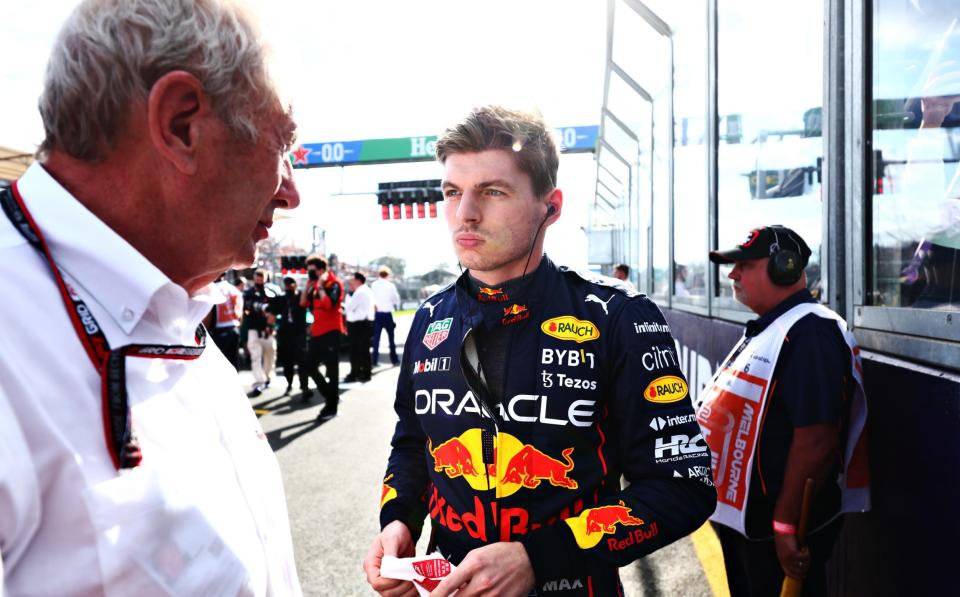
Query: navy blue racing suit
{"points": [[592, 392]]}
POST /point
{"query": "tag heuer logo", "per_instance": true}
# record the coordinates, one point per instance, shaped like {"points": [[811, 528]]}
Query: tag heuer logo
{"points": [[437, 332]]}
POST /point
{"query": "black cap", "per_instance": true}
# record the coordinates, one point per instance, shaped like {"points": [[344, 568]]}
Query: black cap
{"points": [[764, 242]]}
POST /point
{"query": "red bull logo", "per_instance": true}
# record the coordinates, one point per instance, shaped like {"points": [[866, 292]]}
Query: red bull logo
{"points": [[514, 313], [530, 466], [510, 522], [516, 465], [590, 527], [453, 458], [492, 295], [388, 492]]}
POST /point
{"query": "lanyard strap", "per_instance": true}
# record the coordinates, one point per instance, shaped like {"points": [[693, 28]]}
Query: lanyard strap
{"points": [[121, 440]]}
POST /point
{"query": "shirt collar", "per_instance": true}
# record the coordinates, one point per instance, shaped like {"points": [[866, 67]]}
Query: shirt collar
{"points": [[102, 262], [755, 326]]}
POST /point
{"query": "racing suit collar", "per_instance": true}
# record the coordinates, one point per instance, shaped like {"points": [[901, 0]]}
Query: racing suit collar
{"points": [[499, 305]]}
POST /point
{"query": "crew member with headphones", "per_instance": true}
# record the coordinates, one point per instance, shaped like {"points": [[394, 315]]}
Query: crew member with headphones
{"points": [[786, 405]]}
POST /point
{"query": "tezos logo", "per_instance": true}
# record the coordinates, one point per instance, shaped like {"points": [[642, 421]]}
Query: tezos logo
{"points": [[668, 388], [567, 327]]}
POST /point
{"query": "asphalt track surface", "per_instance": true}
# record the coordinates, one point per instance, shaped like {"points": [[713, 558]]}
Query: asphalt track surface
{"points": [[332, 475]]}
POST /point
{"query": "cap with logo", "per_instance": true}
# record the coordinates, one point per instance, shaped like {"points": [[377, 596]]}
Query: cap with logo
{"points": [[787, 251]]}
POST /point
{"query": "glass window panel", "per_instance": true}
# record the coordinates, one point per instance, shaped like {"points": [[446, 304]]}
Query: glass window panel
{"points": [[688, 21], [661, 196], [770, 100], [915, 249], [619, 140], [607, 181], [630, 107], [640, 51]]}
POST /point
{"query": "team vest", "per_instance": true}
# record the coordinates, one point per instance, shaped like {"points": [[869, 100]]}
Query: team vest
{"points": [[732, 406], [230, 311]]}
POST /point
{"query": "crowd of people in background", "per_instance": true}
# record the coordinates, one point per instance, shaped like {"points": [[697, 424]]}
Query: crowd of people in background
{"points": [[297, 329]]}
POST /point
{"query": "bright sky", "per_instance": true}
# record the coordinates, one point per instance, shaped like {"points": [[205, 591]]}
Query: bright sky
{"points": [[377, 68]]}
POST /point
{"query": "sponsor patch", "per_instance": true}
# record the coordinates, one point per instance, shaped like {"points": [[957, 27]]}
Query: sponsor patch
{"points": [[567, 358], [492, 295], [518, 465], [431, 365], [668, 388], [590, 527], [658, 423], [514, 313], [387, 493], [568, 327], [437, 332], [592, 298], [651, 328], [563, 584], [658, 357], [431, 306], [679, 447]]}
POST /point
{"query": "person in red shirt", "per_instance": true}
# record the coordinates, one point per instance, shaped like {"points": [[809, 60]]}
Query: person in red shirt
{"points": [[323, 295]]}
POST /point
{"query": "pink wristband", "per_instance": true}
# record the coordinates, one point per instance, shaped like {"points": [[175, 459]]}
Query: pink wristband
{"points": [[783, 528]]}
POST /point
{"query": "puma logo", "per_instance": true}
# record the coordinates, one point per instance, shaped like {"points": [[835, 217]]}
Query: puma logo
{"points": [[431, 307], [592, 298]]}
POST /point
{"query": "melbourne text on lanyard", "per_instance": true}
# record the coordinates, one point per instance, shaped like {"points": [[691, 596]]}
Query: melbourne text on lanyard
{"points": [[110, 363]]}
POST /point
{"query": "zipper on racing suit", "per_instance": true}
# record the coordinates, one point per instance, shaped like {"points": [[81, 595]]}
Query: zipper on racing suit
{"points": [[489, 441]]}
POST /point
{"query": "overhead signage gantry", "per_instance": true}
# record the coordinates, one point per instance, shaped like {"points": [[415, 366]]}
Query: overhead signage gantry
{"points": [[393, 196], [573, 139]]}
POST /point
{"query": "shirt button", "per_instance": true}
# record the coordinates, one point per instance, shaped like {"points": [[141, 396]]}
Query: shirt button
{"points": [[127, 314]]}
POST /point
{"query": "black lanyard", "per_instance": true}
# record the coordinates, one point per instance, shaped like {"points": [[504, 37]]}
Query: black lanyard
{"points": [[121, 440]]}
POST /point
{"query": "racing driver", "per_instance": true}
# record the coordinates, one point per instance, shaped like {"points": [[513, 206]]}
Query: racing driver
{"points": [[527, 391]]}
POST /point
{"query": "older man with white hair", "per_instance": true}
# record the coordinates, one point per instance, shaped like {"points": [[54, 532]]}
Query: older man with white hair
{"points": [[138, 468]]}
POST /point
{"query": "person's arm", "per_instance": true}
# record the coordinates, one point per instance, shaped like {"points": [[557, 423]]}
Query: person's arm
{"points": [[813, 452], [20, 507], [670, 492], [402, 506], [395, 298], [818, 360], [305, 295], [332, 293]]}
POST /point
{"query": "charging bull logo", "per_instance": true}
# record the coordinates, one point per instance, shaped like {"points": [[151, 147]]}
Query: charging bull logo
{"points": [[453, 456], [487, 295], [530, 466], [514, 313], [388, 492], [515, 465], [590, 527]]}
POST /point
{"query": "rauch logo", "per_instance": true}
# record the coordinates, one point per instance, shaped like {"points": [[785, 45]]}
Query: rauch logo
{"points": [[668, 388], [567, 327]]}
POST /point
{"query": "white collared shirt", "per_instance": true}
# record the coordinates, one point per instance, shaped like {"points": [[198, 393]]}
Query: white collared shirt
{"points": [[205, 512], [359, 305], [386, 295]]}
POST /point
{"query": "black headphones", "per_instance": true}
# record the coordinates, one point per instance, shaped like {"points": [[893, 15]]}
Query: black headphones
{"points": [[785, 266], [551, 210]]}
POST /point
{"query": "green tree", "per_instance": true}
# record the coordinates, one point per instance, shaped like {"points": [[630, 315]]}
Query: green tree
{"points": [[396, 264]]}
